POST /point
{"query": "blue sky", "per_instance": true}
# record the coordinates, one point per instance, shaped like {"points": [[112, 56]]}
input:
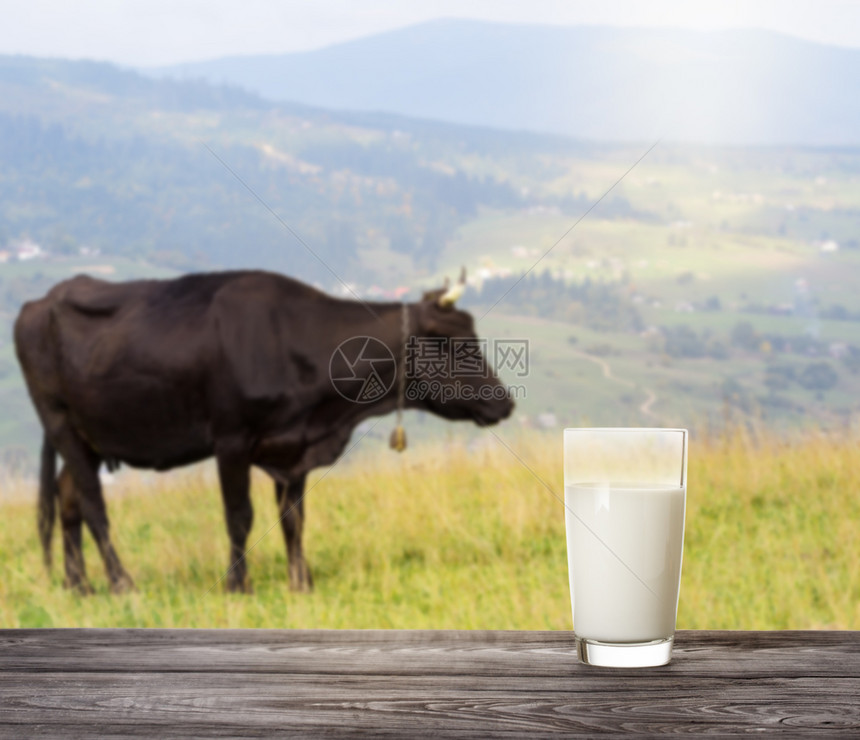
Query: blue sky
{"points": [[153, 32]]}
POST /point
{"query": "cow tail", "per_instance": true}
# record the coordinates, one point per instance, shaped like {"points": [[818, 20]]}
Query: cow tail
{"points": [[48, 493]]}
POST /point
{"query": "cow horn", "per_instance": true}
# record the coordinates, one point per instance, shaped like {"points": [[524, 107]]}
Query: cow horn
{"points": [[452, 294]]}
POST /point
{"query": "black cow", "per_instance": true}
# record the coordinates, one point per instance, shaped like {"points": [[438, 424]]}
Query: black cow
{"points": [[236, 365]]}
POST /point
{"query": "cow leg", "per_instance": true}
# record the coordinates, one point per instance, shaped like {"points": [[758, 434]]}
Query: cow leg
{"points": [[234, 473], [83, 466], [70, 516], [48, 495], [291, 509]]}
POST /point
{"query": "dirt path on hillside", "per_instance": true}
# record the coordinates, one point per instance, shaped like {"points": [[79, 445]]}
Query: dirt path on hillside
{"points": [[650, 396], [606, 369], [645, 408]]}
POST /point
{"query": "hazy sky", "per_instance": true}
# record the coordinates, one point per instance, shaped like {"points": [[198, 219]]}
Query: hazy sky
{"points": [[151, 32]]}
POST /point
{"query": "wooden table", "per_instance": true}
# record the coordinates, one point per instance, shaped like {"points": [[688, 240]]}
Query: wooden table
{"points": [[264, 683]]}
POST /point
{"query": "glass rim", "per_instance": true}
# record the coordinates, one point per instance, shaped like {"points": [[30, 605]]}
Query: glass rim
{"points": [[626, 429], [643, 432]]}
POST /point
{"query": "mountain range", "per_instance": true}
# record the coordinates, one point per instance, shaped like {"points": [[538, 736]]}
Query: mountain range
{"points": [[739, 87]]}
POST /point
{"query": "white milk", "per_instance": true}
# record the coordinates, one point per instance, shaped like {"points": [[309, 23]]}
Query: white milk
{"points": [[624, 547]]}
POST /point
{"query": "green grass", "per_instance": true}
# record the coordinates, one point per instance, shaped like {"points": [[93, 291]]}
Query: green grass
{"points": [[444, 538]]}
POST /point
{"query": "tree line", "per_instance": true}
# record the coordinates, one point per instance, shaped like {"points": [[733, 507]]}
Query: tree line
{"points": [[602, 306]]}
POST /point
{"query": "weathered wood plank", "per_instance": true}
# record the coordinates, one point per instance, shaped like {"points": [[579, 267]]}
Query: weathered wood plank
{"points": [[171, 703], [223, 683], [407, 652], [257, 701]]}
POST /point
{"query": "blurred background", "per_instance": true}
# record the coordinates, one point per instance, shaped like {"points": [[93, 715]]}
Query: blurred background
{"points": [[662, 198], [714, 282]]}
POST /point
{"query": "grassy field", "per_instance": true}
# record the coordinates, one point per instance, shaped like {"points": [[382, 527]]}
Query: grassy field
{"points": [[444, 537]]}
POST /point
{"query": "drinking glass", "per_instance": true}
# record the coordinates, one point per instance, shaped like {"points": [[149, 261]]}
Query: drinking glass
{"points": [[625, 497]]}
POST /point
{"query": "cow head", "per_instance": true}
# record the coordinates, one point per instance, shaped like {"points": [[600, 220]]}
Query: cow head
{"points": [[447, 370]]}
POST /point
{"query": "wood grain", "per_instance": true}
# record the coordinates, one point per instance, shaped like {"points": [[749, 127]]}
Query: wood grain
{"points": [[261, 683]]}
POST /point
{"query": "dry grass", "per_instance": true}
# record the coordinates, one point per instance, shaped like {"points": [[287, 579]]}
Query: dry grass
{"points": [[447, 538]]}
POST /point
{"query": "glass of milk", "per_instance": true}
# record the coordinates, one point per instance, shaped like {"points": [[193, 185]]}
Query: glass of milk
{"points": [[625, 497]]}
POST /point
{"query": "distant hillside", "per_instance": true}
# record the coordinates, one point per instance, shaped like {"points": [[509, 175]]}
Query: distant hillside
{"points": [[736, 87], [97, 157], [708, 283]]}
